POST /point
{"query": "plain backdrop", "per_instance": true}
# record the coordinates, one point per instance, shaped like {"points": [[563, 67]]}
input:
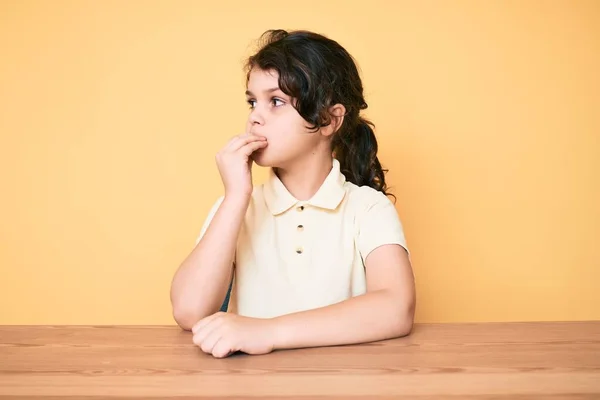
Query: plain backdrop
{"points": [[111, 112]]}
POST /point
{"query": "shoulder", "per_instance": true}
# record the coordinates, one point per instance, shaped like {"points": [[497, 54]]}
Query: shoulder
{"points": [[377, 221], [364, 198]]}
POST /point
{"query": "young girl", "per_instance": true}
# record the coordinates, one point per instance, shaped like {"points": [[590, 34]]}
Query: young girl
{"points": [[316, 255]]}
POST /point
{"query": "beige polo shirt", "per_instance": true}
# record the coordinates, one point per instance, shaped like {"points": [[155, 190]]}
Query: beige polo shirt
{"points": [[296, 255]]}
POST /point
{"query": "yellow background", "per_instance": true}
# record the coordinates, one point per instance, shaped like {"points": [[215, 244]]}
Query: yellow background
{"points": [[487, 113]]}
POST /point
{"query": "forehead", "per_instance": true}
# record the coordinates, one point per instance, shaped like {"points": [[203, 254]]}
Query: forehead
{"points": [[260, 80]]}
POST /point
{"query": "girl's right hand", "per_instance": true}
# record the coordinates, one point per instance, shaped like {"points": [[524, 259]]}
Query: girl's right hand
{"points": [[235, 164]]}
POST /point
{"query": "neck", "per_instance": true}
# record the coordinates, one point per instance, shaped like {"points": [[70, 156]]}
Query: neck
{"points": [[304, 177]]}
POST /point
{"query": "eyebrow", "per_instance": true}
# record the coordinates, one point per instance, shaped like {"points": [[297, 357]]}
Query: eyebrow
{"points": [[271, 90]]}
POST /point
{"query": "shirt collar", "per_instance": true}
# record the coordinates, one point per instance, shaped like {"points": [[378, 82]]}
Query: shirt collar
{"points": [[329, 195]]}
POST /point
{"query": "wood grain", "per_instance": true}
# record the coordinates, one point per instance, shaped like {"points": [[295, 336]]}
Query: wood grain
{"points": [[559, 360]]}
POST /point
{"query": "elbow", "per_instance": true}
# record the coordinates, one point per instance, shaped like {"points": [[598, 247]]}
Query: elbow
{"points": [[184, 319], [403, 327], [403, 319], [186, 316]]}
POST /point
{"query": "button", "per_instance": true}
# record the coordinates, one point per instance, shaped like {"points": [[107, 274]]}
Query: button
{"points": [[300, 208], [300, 227], [299, 250]]}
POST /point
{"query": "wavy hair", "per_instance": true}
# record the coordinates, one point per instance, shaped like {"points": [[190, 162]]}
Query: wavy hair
{"points": [[318, 73]]}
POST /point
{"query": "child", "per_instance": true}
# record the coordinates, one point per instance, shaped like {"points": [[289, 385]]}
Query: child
{"points": [[317, 253]]}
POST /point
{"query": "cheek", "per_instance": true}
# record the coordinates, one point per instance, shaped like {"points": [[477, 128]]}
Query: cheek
{"points": [[287, 133]]}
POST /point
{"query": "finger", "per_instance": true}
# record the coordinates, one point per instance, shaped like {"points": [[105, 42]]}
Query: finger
{"points": [[222, 348], [232, 141], [250, 138], [202, 338], [208, 343], [206, 320], [252, 147]]}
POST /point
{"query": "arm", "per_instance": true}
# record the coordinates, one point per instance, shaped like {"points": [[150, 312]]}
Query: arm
{"points": [[385, 311], [201, 282]]}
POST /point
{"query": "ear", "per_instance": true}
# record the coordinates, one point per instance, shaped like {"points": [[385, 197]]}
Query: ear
{"points": [[337, 113]]}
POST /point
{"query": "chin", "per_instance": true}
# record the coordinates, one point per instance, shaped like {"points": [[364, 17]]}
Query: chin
{"points": [[269, 159], [261, 160], [262, 164]]}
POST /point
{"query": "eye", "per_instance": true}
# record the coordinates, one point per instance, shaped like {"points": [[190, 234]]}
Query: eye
{"points": [[274, 100], [251, 102]]}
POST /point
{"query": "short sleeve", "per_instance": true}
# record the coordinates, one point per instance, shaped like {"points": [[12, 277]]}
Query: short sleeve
{"points": [[378, 224], [209, 218]]}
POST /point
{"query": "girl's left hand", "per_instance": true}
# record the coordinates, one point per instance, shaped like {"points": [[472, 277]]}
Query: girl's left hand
{"points": [[222, 334]]}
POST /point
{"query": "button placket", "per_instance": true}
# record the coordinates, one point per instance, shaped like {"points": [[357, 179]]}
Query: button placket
{"points": [[299, 230]]}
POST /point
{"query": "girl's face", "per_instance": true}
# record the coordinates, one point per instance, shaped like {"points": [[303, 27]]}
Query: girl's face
{"points": [[273, 116]]}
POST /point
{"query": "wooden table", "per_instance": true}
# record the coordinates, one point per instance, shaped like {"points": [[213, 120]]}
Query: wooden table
{"points": [[459, 361]]}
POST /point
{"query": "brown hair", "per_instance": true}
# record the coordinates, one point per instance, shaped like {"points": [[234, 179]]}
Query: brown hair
{"points": [[318, 73]]}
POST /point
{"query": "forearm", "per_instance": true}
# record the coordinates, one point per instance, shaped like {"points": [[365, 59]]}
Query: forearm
{"points": [[374, 316], [201, 282]]}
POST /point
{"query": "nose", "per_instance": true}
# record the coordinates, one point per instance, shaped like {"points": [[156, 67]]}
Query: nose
{"points": [[256, 118]]}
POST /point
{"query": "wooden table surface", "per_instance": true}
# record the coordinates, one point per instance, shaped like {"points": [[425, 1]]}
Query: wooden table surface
{"points": [[459, 361]]}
